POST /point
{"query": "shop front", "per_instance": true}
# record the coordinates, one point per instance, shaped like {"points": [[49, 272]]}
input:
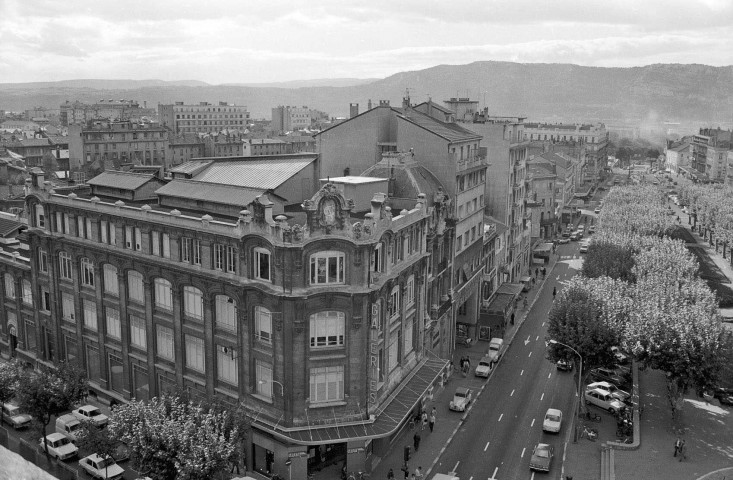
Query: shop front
{"points": [[498, 313]]}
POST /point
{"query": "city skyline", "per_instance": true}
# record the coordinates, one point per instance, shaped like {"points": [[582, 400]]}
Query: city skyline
{"points": [[283, 41]]}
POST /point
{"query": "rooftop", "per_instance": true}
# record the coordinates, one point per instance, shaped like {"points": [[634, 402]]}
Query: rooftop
{"points": [[121, 180], [260, 172], [449, 131]]}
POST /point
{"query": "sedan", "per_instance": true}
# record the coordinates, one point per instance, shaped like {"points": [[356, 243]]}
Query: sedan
{"points": [[541, 457], [597, 210], [483, 369], [584, 247], [461, 399], [92, 414], [563, 240], [603, 399], [564, 365], [13, 415], [576, 236], [607, 375], [59, 446], [553, 421], [616, 392]]}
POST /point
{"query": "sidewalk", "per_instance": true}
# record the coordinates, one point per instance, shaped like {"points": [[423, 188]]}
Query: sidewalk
{"points": [[432, 445]]}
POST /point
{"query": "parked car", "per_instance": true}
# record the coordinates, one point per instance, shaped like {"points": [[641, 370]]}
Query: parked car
{"points": [[461, 399], [621, 357], [592, 229], [725, 395], [597, 210], [566, 233], [576, 236], [563, 240], [496, 349], [92, 414], [541, 457], [581, 227], [584, 247], [69, 426], [104, 468], [59, 446], [483, 369], [608, 375], [621, 395], [553, 421], [13, 415], [564, 365], [603, 399]]}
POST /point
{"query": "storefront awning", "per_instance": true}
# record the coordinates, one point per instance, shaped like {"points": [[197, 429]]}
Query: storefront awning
{"points": [[543, 248], [385, 422]]}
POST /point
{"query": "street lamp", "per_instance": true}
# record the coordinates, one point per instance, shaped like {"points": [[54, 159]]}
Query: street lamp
{"points": [[580, 380], [282, 388]]}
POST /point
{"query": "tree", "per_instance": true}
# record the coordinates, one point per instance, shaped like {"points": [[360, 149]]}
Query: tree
{"points": [[609, 259], [171, 438], [51, 391], [9, 376], [98, 440]]}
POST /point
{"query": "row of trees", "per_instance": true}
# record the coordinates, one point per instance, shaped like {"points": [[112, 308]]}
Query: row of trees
{"points": [[713, 208], [640, 289], [171, 437]]}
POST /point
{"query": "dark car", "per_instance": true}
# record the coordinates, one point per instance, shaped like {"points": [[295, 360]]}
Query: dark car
{"points": [[564, 365], [576, 236], [608, 375], [724, 395]]}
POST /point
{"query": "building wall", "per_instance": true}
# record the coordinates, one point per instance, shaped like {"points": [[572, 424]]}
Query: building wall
{"points": [[204, 117]]}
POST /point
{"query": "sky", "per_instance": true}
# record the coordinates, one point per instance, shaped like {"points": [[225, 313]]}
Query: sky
{"points": [[259, 41]]}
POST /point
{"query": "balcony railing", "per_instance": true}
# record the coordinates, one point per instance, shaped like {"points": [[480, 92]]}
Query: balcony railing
{"points": [[472, 161]]}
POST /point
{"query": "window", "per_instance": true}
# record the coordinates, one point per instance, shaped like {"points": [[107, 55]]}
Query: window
{"points": [[111, 281], [161, 244], [9, 286], [195, 353], [263, 373], [230, 260], [135, 288], [326, 384], [90, 314], [410, 291], [377, 258], [393, 354], [42, 260], [138, 338], [226, 364], [226, 312], [83, 227], [40, 216], [393, 309], [65, 266], [67, 307], [133, 238], [45, 299], [67, 228], [87, 272], [163, 294], [191, 251], [263, 325], [262, 264], [327, 329], [408, 337], [27, 292], [165, 342], [193, 302], [107, 232], [327, 267], [114, 326]]}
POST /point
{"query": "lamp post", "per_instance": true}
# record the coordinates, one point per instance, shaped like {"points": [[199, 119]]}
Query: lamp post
{"points": [[580, 380], [282, 388]]}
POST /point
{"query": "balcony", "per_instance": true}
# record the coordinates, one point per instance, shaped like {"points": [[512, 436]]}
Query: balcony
{"points": [[476, 160]]}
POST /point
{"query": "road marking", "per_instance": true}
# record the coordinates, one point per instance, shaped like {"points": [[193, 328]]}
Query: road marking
{"points": [[511, 394], [530, 354], [470, 478], [549, 375], [501, 416], [521, 373], [493, 475], [455, 469], [542, 397], [526, 341], [538, 337], [522, 455], [487, 446], [532, 476], [532, 423], [543, 324]]}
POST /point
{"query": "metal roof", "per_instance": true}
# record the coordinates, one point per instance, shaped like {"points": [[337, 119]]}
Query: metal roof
{"points": [[191, 166], [263, 174], [210, 192], [449, 131], [123, 180]]}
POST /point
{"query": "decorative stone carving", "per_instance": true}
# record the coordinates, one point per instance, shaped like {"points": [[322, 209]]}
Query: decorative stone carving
{"points": [[206, 220], [297, 233], [356, 322], [357, 230]]}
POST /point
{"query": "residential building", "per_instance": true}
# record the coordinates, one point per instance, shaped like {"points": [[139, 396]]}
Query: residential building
{"points": [[108, 143], [265, 146], [710, 154], [31, 149], [113, 110], [184, 148], [299, 143], [41, 112], [565, 184], [289, 119], [464, 109], [224, 144], [678, 155], [545, 211], [451, 153], [315, 320], [204, 117], [496, 308]]}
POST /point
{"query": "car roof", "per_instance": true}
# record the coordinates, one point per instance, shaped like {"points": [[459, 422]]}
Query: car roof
{"points": [[485, 358], [543, 445], [68, 418], [88, 407], [553, 411], [55, 436], [462, 390]]}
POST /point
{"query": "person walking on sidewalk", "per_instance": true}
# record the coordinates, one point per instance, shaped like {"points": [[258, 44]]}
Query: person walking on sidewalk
{"points": [[554, 292], [424, 420], [390, 474], [418, 473], [677, 446], [406, 470], [432, 420], [682, 451], [416, 441]]}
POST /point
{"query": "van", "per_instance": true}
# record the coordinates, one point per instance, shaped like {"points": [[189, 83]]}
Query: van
{"points": [[69, 426], [496, 348]]}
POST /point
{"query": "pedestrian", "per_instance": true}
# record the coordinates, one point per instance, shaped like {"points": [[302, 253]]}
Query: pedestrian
{"points": [[416, 441], [682, 451], [544, 271], [512, 318], [554, 292], [677, 445], [406, 469], [536, 272], [432, 420], [418, 473], [390, 475], [424, 420]]}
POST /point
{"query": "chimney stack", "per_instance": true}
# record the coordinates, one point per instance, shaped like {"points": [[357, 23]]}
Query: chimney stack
{"points": [[353, 110]]}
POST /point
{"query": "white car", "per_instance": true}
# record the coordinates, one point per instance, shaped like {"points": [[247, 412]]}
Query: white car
{"points": [[597, 210], [59, 446], [616, 392], [603, 399], [461, 399], [483, 369], [584, 247], [92, 414], [13, 415], [104, 468], [553, 421]]}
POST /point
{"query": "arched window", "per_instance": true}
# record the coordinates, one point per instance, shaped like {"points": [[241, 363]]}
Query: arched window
{"points": [[87, 272], [327, 329], [65, 269], [193, 305], [111, 281], [135, 289], [226, 312], [163, 294]]}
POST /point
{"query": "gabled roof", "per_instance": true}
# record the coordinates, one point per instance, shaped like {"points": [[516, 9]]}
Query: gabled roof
{"points": [[260, 172], [557, 159], [210, 192], [435, 106], [8, 227], [123, 180], [451, 132], [191, 167]]}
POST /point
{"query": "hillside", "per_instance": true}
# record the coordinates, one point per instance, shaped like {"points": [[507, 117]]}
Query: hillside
{"points": [[540, 91]]}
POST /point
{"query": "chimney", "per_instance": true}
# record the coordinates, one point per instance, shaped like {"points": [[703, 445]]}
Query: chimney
{"points": [[353, 110], [377, 202], [405, 102], [384, 103]]}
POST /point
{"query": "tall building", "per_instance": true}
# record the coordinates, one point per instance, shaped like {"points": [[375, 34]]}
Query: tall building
{"points": [[114, 110], [451, 153], [541, 203], [314, 320], [710, 154], [204, 117], [678, 156], [289, 119], [185, 147], [108, 143]]}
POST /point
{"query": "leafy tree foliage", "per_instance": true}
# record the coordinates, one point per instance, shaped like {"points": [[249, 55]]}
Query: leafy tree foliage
{"points": [[9, 376], [610, 260], [51, 391], [171, 438], [98, 440]]}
